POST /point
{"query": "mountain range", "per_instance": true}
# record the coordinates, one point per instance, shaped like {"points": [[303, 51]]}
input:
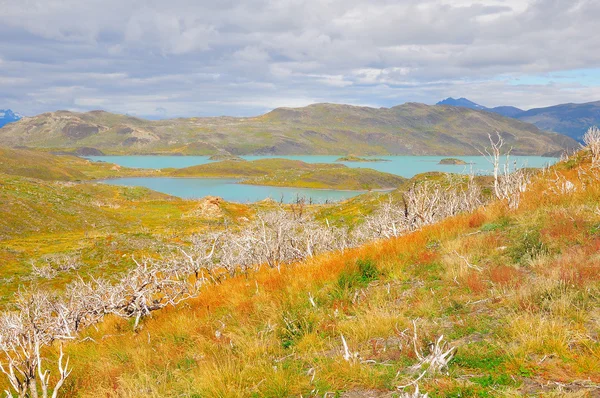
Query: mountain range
{"points": [[8, 116], [408, 129], [571, 120]]}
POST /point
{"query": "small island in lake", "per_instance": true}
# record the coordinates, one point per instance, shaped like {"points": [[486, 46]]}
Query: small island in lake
{"points": [[453, 161], [354, 158], [226, 156]]}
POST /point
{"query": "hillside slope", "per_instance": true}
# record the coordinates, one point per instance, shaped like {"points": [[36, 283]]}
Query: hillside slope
{"points": [[409, 129], [46, 166], [516, 292], [45, 223]]}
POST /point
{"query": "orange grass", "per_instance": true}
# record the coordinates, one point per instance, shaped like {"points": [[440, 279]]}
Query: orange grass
{"points": [[521, 327]]}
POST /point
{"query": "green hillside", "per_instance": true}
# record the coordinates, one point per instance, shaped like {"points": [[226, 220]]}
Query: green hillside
{"points": [[409, 129], [277, 172], [294, 173]]}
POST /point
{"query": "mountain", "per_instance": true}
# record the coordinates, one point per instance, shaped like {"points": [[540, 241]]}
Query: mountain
{"points": [[8, 116], [508, 111], [408, 129], [465, 103], [571, 120]]}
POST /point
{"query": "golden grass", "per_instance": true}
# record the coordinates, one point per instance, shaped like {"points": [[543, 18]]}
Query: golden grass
{"points": [[517, 291]]}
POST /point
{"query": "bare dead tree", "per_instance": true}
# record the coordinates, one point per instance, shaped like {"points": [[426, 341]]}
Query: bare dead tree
{"points": [[493, 155], [559, 185], [274, 238], [239, 253], [87, 302], [44, 375], [591, 139], [386, 222], [425, 203], [436, 361], [202, 255], [415, 394], [49, 266], [38, 321], [509, 183], [149, 286], [279, 237]]}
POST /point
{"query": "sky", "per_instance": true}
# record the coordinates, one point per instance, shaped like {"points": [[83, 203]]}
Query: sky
{"points": [[178, 58]]}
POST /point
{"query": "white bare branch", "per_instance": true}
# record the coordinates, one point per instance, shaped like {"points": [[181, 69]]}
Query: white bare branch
{"points": [[510, 182], [591, 139]]}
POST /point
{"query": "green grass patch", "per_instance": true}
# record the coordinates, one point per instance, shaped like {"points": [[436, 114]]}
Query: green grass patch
{"points": [[528, 245], [500, 224], [364, 273]]}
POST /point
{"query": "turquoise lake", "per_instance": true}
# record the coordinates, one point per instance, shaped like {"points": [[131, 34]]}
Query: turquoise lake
{"points": [[405, 166], [228, 189]]}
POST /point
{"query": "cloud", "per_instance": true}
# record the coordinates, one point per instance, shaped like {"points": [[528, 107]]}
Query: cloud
{"points": [[200, 58]]}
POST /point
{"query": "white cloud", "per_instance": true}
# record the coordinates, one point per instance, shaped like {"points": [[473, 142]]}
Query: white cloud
{"points": [[203, 57]]}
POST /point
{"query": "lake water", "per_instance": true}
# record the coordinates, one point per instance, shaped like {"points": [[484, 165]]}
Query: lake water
{"points": [[405, 166], [228, 189]]}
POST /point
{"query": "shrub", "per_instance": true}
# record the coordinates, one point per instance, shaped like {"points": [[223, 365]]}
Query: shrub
{"points": [[501, 223], [529, 247]]}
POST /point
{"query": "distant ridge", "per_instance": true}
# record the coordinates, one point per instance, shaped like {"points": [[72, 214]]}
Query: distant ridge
{"points": [[318, 129], [508, 111], [465, 103], [8, 116], [571, 120]]}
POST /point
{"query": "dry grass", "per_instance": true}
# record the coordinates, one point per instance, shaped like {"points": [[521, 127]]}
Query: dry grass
{"points": [[517, 291]]}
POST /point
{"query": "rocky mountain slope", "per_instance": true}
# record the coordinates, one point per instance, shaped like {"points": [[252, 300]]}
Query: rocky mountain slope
{"points": [[409, 129]]}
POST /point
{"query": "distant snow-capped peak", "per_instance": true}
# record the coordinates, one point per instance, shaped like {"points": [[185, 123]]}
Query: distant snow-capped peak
{"points": [[8, 116]]}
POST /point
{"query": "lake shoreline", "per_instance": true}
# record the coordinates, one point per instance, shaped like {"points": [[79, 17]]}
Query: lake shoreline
{"points": [[196, 188], [240, 182], [159, 174], [403, 166]]}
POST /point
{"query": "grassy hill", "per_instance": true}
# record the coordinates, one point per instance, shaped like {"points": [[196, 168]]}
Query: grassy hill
{"points": [[278, 172], [517, 292], [409, 129], [46, 166], [255, 168], [36, 164], [97, 225], [49, 211], [295, 173]]}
